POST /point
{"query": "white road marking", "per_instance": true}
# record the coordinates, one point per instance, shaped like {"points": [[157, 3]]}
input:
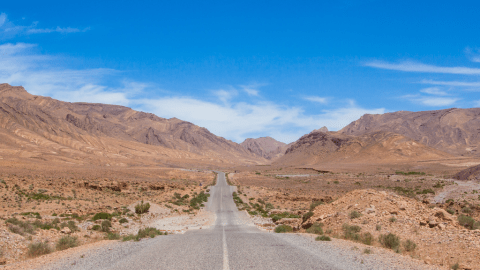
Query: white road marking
{"points": [[225, 252]]}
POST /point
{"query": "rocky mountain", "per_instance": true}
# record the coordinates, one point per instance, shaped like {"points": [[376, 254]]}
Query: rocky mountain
{"points": [[455, 131], [320, 147], [42, 128], [266, 147], [472, 173]]}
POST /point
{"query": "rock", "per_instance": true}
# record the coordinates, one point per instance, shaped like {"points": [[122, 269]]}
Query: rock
{"points": [[402, 205], [432, 223], [427, 260], [90, 227], [444, 215], [3, 261], [441, 226], [370, 210], [293, 222], [66, 230]]}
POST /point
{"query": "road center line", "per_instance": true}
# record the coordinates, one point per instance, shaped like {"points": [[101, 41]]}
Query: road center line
{"points": [[225, 252]]}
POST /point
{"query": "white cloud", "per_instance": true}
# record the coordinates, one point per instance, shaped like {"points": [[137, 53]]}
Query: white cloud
{"points": [[409, 66], [252, 89], [322, 100], [9, 30], [434, 91], [473, 54], [452, 83], [432, 101], [3, 18], [58, 30], [224, 116]]}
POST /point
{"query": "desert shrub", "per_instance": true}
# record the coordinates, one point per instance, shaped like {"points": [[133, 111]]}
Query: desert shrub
{"points": [[389, 241], [70, 224], [409, 173], [315, 204], [367, 251], [378, 227], [113, 236], [39, 248], [367, 238], [129, 237], [96, 227], [466, 210], [307, 216], [392, 219], [336, 182], [316, 228], [351, 232], [277, 217], [354, 214], [123, 220], [426, 191], [20, 227], [66, 242], [148, 232], [323, 238], [105, 226], [468, 222], [451, 211], [102, 215], [455, 266], [283, 229], [409, 245]]}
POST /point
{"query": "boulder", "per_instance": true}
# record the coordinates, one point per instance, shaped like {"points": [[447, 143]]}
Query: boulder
{"points": [[442, 214], [66, 230], [293, 222]]}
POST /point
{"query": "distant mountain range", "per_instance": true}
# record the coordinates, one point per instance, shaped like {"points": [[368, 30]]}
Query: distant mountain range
{"points": [[43, 128], [35, 128]]}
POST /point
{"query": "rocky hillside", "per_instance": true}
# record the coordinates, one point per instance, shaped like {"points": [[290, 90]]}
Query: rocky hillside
{"points": [[376, 147], [48, 129], [456, 131], [266, 147], [472, 173]]}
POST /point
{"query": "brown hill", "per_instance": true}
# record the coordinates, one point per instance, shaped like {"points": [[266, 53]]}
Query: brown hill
{"points": [[47, 129], [376, 147], [455, 131], [266, 147], [472, 173]]}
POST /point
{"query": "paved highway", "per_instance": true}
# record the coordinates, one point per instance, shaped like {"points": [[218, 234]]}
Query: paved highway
{"points": [[233, 243]]}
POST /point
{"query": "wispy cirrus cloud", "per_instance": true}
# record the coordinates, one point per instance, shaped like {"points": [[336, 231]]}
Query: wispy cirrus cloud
{"points": [[410, 66], [473, 54], [9, 29], [221, 112], [451, 83], [322, 100], [431, 101], [434, 91]]}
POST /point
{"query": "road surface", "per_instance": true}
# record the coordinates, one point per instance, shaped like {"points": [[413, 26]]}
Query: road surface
{"points": [[232, 243]]}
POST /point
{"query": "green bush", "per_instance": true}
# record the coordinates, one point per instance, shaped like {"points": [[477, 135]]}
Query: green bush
{"points": [[389, 241], [451, 211], [123, 220], [66, 242], [323, 238], [113, 236], [354, 214], [102, 215], [20, 227], [283, 229], [142, 208], [367, 238], [316, 228], [70, 224], [105, 226], [468, 222], [39, 248], [351, 232], [409, 245], [148, 232], [96, 227], [315, 204], [307, 216]]}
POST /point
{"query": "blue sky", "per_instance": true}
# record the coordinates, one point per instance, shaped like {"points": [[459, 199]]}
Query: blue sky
{"points": [[250, 68]]}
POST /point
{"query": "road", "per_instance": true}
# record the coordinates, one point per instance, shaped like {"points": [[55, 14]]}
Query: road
{"points": [[232, 243]]}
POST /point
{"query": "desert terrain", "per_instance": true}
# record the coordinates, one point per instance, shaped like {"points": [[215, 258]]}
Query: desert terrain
{"points": [[76, 176]]}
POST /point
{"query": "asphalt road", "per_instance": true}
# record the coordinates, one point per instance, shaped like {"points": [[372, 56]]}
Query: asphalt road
{"points": [[233, 243]]}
